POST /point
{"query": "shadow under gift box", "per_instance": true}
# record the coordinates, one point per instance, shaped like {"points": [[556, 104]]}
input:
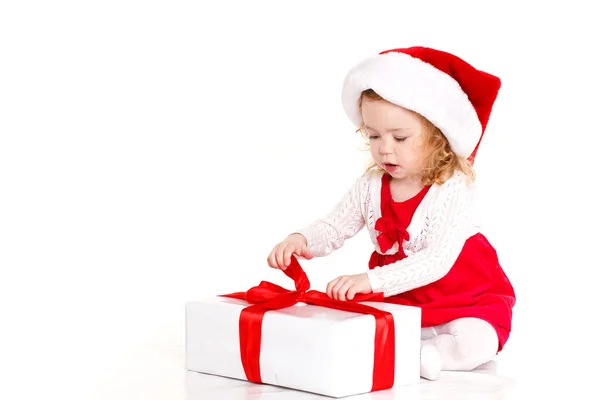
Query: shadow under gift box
{"points": [[304, 347]]}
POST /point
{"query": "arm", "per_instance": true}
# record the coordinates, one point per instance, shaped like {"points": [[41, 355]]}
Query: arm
{"points": [[449, 228], [343, 222]]}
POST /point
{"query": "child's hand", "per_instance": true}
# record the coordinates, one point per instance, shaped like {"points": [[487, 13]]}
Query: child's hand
{"points": [[346, 286], [281, 254]]}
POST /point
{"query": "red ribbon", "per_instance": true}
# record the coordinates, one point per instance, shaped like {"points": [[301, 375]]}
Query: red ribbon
{"points": [[268, 296]]}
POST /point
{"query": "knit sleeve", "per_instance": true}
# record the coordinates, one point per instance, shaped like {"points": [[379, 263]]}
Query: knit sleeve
{"points": [[343, 222], [449, 225]]}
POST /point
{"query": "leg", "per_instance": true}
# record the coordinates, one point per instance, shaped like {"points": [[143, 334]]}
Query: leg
{"points": [[460, 345]]}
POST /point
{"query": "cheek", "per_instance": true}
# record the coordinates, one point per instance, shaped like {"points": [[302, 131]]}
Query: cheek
{"points": [[414, 150], [403, 150]]}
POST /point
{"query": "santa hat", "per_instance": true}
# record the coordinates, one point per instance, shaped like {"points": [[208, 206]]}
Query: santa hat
{"points": [[449, 92]]}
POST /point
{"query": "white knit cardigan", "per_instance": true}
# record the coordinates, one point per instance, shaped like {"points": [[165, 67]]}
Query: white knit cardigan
{"points": [[442, 223]]}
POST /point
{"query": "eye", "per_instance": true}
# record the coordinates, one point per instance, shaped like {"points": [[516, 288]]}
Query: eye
{"points": [[369, 133], [400, 139]]}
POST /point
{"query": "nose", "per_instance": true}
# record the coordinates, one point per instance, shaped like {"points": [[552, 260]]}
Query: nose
{"points": [[385, 148]]}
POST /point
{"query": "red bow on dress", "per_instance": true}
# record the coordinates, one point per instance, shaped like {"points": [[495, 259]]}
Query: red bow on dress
{"points": [[390, 234]]}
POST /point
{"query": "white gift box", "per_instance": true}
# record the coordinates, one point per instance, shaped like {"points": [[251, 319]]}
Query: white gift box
{"points": [[304, 347]]}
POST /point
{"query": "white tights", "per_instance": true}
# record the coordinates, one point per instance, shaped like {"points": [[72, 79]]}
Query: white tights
{"points": [[459, 345]]}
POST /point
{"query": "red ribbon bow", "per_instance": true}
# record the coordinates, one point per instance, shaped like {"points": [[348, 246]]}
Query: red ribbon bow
{"points": [[268, 296], [390, 234]]}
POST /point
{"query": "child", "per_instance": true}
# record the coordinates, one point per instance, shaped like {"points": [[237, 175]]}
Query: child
{"points": [[423, 113]]}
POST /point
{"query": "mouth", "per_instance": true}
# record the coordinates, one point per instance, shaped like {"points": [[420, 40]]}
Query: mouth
{"points": [[390, 167]]}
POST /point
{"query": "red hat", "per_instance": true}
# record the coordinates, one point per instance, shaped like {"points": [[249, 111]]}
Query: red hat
{"points": [[449, 92]]}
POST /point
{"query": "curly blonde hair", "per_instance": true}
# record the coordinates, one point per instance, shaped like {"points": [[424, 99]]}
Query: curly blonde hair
{"points": [[440, 160]]}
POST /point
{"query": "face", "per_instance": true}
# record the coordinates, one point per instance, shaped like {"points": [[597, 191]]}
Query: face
{"points": [[395, 136]]}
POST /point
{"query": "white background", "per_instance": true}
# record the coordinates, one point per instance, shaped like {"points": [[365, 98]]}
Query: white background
{"points": [[152, 153]]}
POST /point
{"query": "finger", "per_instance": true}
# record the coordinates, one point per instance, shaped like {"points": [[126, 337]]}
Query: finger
{"points": [[306, 253], [279, 255], [344, 289], [271, 259], [274, 256], [338, 286], [287, 254], [330, 286], [351, 293]]}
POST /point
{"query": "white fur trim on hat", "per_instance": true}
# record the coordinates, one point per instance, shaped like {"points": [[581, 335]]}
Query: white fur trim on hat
{"points": [[418, 86]]}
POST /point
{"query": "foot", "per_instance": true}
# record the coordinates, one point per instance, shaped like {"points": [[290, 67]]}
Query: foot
{"points": [[431, 363]]}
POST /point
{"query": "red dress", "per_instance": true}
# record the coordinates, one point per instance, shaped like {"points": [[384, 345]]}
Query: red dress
{"points": [[476, 286]]}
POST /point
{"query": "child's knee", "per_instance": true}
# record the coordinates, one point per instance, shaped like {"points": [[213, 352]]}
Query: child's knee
{"points": [[476, 341]]}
